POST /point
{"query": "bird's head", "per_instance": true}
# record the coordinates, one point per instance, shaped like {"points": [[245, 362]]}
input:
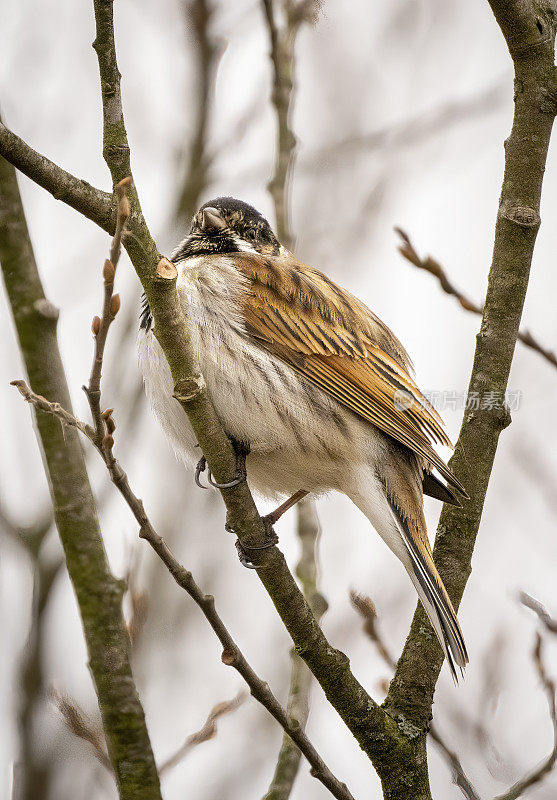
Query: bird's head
{"points": [[226, 225]]}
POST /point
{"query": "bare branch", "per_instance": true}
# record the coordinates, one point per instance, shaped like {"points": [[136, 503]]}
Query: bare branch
{"points": [[365, 607], [432, 266], [204, 734], [42, 404], [282, 43], [111, 305], [416, 128], [198, 16], [33, 774]]}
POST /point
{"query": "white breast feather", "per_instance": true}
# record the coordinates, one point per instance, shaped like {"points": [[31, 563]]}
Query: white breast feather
{"points": [[298, 436]]}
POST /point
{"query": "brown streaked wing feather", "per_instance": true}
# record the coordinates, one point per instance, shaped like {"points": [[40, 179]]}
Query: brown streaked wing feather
{"points": [[335, 341]]}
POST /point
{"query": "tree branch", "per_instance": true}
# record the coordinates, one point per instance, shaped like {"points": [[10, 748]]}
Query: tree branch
{"points": [[33, 770], [434, 268], [111, 306], [411, 691], [98, 592]]}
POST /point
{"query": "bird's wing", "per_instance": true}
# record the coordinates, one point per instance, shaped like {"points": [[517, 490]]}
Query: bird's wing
{"points": [[334, 340]]}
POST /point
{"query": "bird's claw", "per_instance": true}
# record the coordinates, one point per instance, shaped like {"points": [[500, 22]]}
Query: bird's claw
{"points": [[244, 551], [240, 476], [201, 467]]}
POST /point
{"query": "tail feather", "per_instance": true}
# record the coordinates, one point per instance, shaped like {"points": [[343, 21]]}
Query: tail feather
{"points": [[434, 598]]}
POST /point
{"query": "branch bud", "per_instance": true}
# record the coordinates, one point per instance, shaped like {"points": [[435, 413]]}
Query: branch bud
{"points": [[115, 305], [124, 208], [229, 655], [108, 271], [96, 325], [108, 442]]}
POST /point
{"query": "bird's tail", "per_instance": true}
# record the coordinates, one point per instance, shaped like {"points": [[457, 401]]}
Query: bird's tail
{"points": [[433, 595]]}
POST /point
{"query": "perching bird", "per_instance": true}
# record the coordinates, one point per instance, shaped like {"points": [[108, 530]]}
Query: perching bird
{"points": [[304, 376]]}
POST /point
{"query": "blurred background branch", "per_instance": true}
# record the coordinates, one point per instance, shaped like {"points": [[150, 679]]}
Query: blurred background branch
{"points": [[434, 268], [198, 19]]}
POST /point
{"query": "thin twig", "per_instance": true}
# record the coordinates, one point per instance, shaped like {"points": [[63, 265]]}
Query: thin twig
{"points": [[434, 268], [365, 607], [111, 306], [547, 764], [534, 605], [33, 775], [412, 130], [82, 726], [231, 656], [205, 733], [42, 404]]}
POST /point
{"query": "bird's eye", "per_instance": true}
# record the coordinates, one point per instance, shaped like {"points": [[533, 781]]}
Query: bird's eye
{"points": [[251, 236]]}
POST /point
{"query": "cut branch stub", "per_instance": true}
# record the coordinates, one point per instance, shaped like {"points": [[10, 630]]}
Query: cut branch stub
{"points": [[167, 270], [188, 388]]}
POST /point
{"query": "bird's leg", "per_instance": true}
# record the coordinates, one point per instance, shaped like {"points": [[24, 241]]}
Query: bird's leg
{"points": [[275, 515]]}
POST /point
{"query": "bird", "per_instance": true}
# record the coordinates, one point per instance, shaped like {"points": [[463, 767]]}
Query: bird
{"points": [[312, 385]]}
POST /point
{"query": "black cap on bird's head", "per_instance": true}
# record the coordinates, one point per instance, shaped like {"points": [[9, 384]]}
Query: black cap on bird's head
{"points": [[227, 225]]}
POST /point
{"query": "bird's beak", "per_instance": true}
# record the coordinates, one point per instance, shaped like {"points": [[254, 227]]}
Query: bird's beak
{"points": [[211, 219]]}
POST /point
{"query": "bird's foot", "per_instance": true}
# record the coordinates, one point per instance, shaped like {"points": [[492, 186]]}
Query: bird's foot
{"points": [[244, 552], [241, 452]]}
